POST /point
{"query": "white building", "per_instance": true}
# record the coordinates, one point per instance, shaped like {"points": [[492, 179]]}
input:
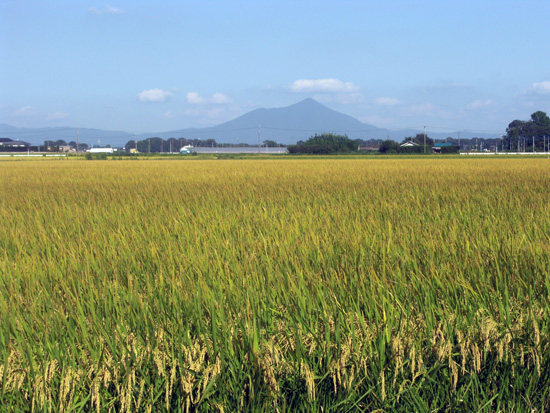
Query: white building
{"points": [[100, 150], [186, 149]]}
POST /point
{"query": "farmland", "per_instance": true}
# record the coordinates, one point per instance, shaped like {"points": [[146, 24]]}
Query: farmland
{"points": [[285, 284]]}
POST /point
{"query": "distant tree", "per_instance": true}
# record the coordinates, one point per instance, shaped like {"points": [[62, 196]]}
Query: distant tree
{"points": [[270, 143], [130, 145], [515, 128], [181, 143], [541, 124], [419, 139], [389, 146], [142, 146], [154, 145], [372, 143], [210, 142], [540, 119], [172, 144], [325, 143], [521, 133], [450, 149]]}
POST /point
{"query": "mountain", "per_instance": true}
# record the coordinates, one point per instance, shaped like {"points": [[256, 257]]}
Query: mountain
{"points": [[290, 123], [37, 136], [284, 125]]}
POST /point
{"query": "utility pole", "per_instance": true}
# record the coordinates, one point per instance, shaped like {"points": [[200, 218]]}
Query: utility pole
{"points": [[135, 142], [259, 138], [76, 140], [149, 145], [424, 138], [459, 147], [533, 144]]}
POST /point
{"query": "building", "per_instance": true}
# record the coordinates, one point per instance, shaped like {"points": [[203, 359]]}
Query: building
{"points": [[100, 150], [187, 149], [9, 145], [445, 147]]}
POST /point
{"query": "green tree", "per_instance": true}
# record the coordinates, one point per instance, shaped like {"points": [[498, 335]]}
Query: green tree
{"points": [[270, 144], [541, 124], [518, 131], [130, 145], [389, 146], [419, 139], [325, 143]]}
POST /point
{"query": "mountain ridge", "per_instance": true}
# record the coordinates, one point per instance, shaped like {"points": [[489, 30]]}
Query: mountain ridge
{"points": [[285, 125]]}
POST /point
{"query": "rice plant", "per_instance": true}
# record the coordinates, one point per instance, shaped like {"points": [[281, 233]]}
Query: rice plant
{"points": [[275, 285]]}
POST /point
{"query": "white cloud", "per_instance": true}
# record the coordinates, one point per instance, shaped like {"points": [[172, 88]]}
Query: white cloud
{"points": [[385, 101], [114, 10], [541, 88], [322, 85], [154, 95], [220, 98], [105, 10], [168, 114], [194, 98], [478, 104], [25, 111]]}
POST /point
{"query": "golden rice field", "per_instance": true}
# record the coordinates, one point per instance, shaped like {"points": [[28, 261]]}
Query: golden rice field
{"points": [[275, 285]]}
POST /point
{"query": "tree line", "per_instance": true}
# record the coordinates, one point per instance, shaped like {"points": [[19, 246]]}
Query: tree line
{"points": [[156, 144], [521, 135], [57, 144], [324, 144]]}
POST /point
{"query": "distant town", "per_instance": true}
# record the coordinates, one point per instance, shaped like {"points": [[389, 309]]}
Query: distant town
{"points": [[155, 145]]}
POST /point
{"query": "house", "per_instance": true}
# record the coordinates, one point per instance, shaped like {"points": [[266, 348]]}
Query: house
{"points": [[9, 145], [409, 144], [445, 147]]}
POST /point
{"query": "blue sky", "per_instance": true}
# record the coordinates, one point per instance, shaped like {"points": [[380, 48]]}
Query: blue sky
{"points": [[144, 66]]}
